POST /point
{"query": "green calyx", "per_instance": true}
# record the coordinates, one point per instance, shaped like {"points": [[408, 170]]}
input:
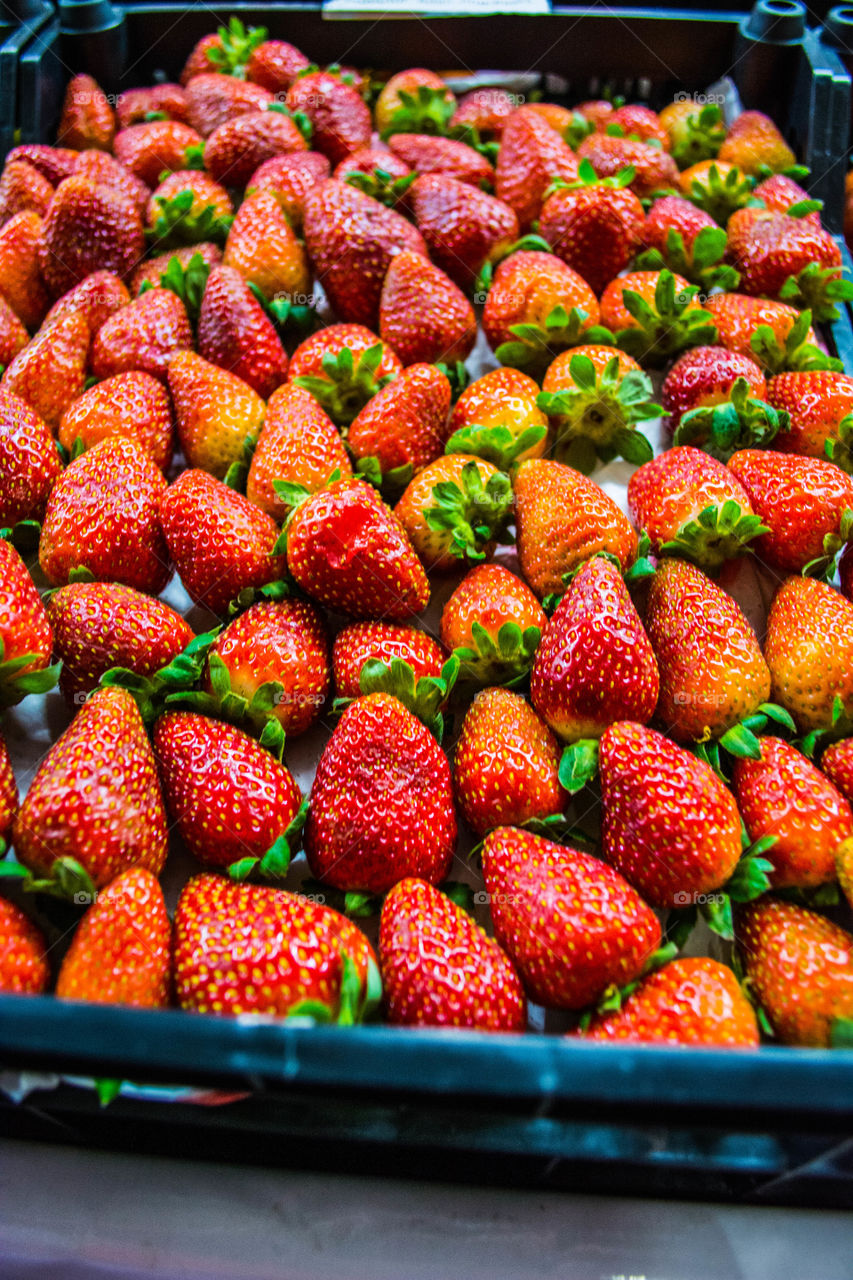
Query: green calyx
{"points": [[347, 386], [181, 675], [177, 225], [424, 697], [824, 566], [578, 765], [721, 195], [796, 354], [294, 495], [193, 159], [486, 274], [703, 263], [666, 327], [718, 533], [470, 514], [68, 880], [840, 449], [238, 473], [498, 445], [743, 740], [613, 997], [275, 863], [840, 726], [577, 129], [595, 418], [392, 482], [238, 45], [353, 903], [457, 375], [587, 177], [188, 283], [470, 135], [256, 715], [427, 110], [505, 658], [292, 321], [818, 288], [536, 345], [16, 683], [699, 136], [299, 118], [381, 185], [354, 1005], [741, 422]]}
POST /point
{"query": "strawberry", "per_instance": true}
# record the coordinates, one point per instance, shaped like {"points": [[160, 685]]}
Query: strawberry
{"points": [[264, 249], [132, 405], [712, 673], [505, 765], [351, 239], [598, 112], [799, 967], [454, 510], [102, 520], [800, 501], [213, 99], [809, 650], [289, 178], [150, 271], [143, 336], [382, 801], [121, 952], [753, 143], [298, 444], [339, 116], [635, 121], [350, 551], [439, 969], [837, 763], [684, 238], [94, 805], [134, 106], [275, 64], [772, 334], [13, 335], [844, 867], [563, 518], [788, 258], [413, 99], [654, 169], [493, 623], [220, 542], [100, 625], [669, 825], [423, 315], [228, 797], [594, 664], [497, 418], [378, 173], [87, 118], [571, 925], [817, 402], [103, 170], [690, 505], [50, 371], [238, 147], [655, 315], [343, 366], [718, 187], [783, 795], [462, 228], [29, 462], [425, 154], [26, 638], [403, 425], [23, 950], [383, 642], [53, 163], [147, 149], [781, 193], [8, 794], [98, 297], [532, 155], [22, 188], [21, 282], [705, 376], [595, 226], [281, 643], [695, 131], [235, 333], [486, 110], [186, 207], [692, 1000], [214, 412]]}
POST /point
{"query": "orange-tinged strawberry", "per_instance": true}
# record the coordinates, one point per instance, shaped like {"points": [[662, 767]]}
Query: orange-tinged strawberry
{"points": [[13, 335], [440, 969], [133, 405], [462, 228], [486, 110], [454, 509], [100, 295], [220, 542], [497, 418], [8, 793], [413, 95], [654, 169], [780, 193], [404, 424], [531, 156], [571, 924], [635, 121], [53, 163], [423, 315], [50, 371], [493, 623], [235, 333], [289, 178], [425, 154], [134, 105], [121, 952], [799, 967], [773, 334], [263, 247], [299, 445], [362, 642], [213, 99], [238, 147], [754, 143], [103, 170], [536, 290], [809, 650], [205, 56], [29, 461], [339, 116], [26, 638], [816, 401], [837, 763], [147, 149], [21, 282], [275, 64], [214, 412], [95, 798], [595, 227], [143, 336], [22, 188], [23, 953], [87, 118]]}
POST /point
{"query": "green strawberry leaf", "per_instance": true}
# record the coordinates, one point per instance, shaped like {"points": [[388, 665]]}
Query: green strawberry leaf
{"points": [[578, 765]]}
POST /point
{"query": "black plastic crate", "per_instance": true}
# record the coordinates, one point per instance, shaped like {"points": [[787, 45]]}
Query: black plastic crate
{"points": [[19, 20]]}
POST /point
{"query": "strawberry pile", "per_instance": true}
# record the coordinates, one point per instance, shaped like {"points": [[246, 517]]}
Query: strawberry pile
{"points": [[235, 316]]}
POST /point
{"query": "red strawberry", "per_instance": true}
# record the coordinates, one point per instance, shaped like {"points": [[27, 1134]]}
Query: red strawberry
{"points": [[505, 765], [98, 297], [799, 967], [486, 110], [185, 207], [235, 333], [228, 797], [423, 315], [50, 371], [799, 500], [654, 169], [23, 949], [743, 323], [21, 282], [263, 247], [439, 969], [712, 673], [147, 149], [571, 925], [29, 462], [772, 249], [133, 106], [378, 173], [22, 188], [105, 171], [53, 163], [837, 763], [779, 192], [362, 642], [236, 148], [462, 228], [686, 239], [454, 510], [8, 794], [669, 825], [26, 638], [690, 1001], [121, 952], [817, 401], [382, 801], [594, 664], [289, 178], [220, 542], [705, 376], [339, 116], [497, 418], [655, 314], [783, 795], [281, 641], [427, 154], [595, 227], [87, 118], [343, 366], [213, 99], [100, 625], [351, 239], [563, 518], [275, 64], [151, 270], [206, 54], [214, 412], [531, 156], [95, 799], [527, 289], [143, 336], [130, 405], [299, 445], [690, 505], [403, 425], [346, 548], [493, 623], [809, 650], [13, 335]]}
